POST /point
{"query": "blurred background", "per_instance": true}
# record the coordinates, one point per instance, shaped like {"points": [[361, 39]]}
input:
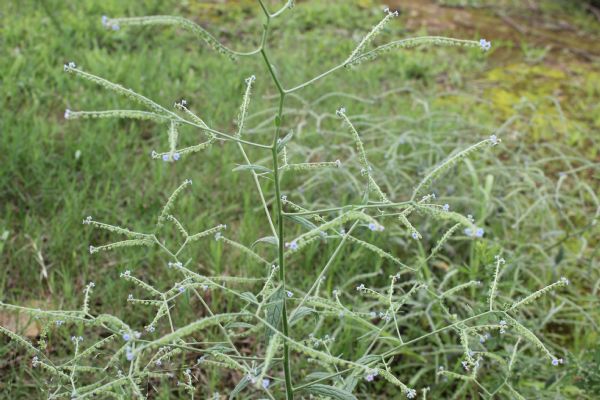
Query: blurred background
{"points": [[538, 89]]}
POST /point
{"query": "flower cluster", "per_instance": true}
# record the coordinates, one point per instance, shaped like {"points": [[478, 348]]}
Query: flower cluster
{"points": [[485, 44], [477, 232], [370, 377], [108, 23]]}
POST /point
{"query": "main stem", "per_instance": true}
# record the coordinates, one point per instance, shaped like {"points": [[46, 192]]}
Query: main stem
{"points": [[286, 351], [289, 390]]}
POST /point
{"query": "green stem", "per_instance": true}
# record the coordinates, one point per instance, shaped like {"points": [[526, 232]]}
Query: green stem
{"points": [[284, 319], [289, 389]]}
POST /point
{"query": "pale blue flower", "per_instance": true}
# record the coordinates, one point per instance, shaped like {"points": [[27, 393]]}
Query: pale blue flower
{"points": [[485, 44]]}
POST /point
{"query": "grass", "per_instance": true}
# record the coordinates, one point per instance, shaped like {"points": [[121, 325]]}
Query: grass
{"points": [[537, 197]]}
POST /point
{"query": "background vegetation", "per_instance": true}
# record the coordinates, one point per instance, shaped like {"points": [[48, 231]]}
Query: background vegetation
{"points": [[537, 195]]}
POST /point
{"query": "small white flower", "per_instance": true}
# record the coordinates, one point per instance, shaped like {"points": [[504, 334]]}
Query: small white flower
{"points": [[176, 156], [371, 375], [126, 337], [69, 66], [130, 297], [292, 245], [67, 113], [411, 393], [338, 163], [165, 157], [494, 139], [266, 383], [555, 361], [59, 322], [485, 44], [340, 111], [158, 363], [288, 293], [415, 235], [446, 207], [465, 365], [564, 280], [181, 289], [503, 327], [360, 287]]}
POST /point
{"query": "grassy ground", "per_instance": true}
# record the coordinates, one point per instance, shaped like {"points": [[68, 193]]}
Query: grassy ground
{"points": [[537, 197]]}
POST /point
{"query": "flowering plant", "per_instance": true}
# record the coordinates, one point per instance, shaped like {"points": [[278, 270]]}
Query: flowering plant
{"points": [[118, 360]]}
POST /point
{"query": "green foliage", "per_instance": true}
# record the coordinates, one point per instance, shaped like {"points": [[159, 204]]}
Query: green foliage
{"points": [[416, 312]]}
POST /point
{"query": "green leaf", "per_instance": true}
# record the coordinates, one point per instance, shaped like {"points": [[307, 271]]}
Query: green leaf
{"points": [[239, 387], [274, 312], [281, 143], [249, 297], [235, 325], [267, 239], [301, 313], [330, 391], [302, 221], [251, 167]]}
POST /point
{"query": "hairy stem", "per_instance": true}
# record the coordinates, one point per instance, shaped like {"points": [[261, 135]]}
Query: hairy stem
{"points": [[289, 390]]}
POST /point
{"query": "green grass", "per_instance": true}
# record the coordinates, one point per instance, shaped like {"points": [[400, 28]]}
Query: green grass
{"points": [[56, 173]]}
